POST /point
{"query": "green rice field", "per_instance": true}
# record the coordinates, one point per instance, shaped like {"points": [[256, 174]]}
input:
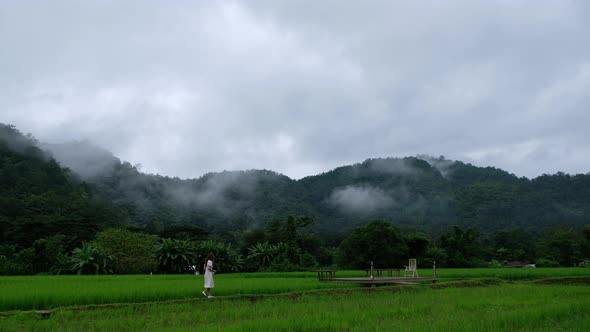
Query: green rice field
{"points": [[463, 300], [46, 292], [497, 307]]}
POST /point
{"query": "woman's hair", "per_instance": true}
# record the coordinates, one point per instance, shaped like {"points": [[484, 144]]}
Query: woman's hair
{"points": [[211, 257]]}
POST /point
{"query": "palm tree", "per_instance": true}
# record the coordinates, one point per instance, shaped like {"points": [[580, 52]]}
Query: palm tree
{"points": [[226, 258], [262, 252], [235, 261], [175, 256], [61, 265], [90, 259]]}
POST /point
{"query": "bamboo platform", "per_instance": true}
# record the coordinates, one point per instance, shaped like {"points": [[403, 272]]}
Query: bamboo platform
{"points": [[376, 277], [384, 280]]}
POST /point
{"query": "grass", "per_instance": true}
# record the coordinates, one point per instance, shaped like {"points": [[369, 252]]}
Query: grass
{"points": [[45, 292], [500, 273], [502, 307], [509, 273]]}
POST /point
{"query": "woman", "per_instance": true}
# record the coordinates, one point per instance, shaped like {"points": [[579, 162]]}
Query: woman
{"points": [[209, 275]]}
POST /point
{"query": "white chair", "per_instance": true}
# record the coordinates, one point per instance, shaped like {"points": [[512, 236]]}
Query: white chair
{"points": [[411, 268]]}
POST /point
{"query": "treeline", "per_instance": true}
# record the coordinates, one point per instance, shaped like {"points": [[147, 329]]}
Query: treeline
{"points": [[451, 212], [288, 245]]}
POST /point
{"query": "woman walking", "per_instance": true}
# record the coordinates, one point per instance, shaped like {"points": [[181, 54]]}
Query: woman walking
{"points": [[209, 276]]}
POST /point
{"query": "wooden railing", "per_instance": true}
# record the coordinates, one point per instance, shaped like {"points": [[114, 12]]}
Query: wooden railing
{"points": [[384, 272], [326, 275]]}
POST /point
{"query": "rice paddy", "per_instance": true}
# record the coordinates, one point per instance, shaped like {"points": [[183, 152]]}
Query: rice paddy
{"points": [[46, 292], [297, 301]]}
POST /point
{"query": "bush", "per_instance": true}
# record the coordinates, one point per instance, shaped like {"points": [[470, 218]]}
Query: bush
{"points": [[434, 254], [62, 265], [476, 262], [494, 263], [546, 262], [18, 264], [48, 251], [307, 261], [4, 265], [282, 264]]}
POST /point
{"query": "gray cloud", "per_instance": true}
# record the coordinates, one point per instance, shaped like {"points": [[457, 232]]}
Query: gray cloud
{"points": [[392, 166], [440, 163], [187, 88], [226, 192], [360, 199], [84, 158]]}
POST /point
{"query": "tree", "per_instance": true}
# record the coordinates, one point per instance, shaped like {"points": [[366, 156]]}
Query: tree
{"points": [[135, 252], [378, 242], [48, 252], [561, 245], [434, 254], [227, 259], [16, 263], [176, 256], [184, 232], [586, 241], [262, 253], [417, 244], [461, 247], [90, 259], [514, 244], [287, 232]]}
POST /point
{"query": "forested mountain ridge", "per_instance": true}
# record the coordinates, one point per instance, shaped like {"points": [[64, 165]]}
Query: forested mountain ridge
{"points": [[39, 198], [422, 192], [433, 192]]}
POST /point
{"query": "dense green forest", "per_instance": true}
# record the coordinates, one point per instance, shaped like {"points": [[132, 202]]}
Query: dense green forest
{"points": [[70, 207]]}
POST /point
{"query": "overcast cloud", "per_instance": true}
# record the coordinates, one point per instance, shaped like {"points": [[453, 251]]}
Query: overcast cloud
{"points": [[300, 87]]}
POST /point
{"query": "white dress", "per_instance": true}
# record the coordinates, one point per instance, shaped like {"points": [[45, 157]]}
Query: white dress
{"points": [[209, 275]]}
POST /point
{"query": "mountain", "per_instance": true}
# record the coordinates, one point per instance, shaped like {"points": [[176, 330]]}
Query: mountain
{"points": [[433, 193], [39, 198], [89, 188]]}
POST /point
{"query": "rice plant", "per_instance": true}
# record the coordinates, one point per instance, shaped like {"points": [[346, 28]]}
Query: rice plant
{"points": [[503, 307], [43, 292]]}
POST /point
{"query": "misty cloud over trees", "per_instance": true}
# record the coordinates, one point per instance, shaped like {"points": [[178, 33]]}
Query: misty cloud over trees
{"points": [[433, 202]]}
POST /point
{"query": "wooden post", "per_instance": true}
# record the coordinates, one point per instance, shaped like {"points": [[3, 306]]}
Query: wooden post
{"points": [[434, 267]]}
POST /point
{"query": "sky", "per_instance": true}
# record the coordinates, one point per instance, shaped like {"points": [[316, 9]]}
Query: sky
{"points": [[301, 87]]}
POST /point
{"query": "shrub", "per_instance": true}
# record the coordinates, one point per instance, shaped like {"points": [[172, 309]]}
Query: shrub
{"points": [[494, 263], [546, 262]]}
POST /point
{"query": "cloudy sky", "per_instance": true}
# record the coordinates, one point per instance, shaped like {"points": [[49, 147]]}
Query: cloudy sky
{"points": [[301, 87]]}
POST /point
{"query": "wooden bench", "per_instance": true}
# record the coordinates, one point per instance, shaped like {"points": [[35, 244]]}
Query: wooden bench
{"points": [[383, 272], [326, 275]]}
